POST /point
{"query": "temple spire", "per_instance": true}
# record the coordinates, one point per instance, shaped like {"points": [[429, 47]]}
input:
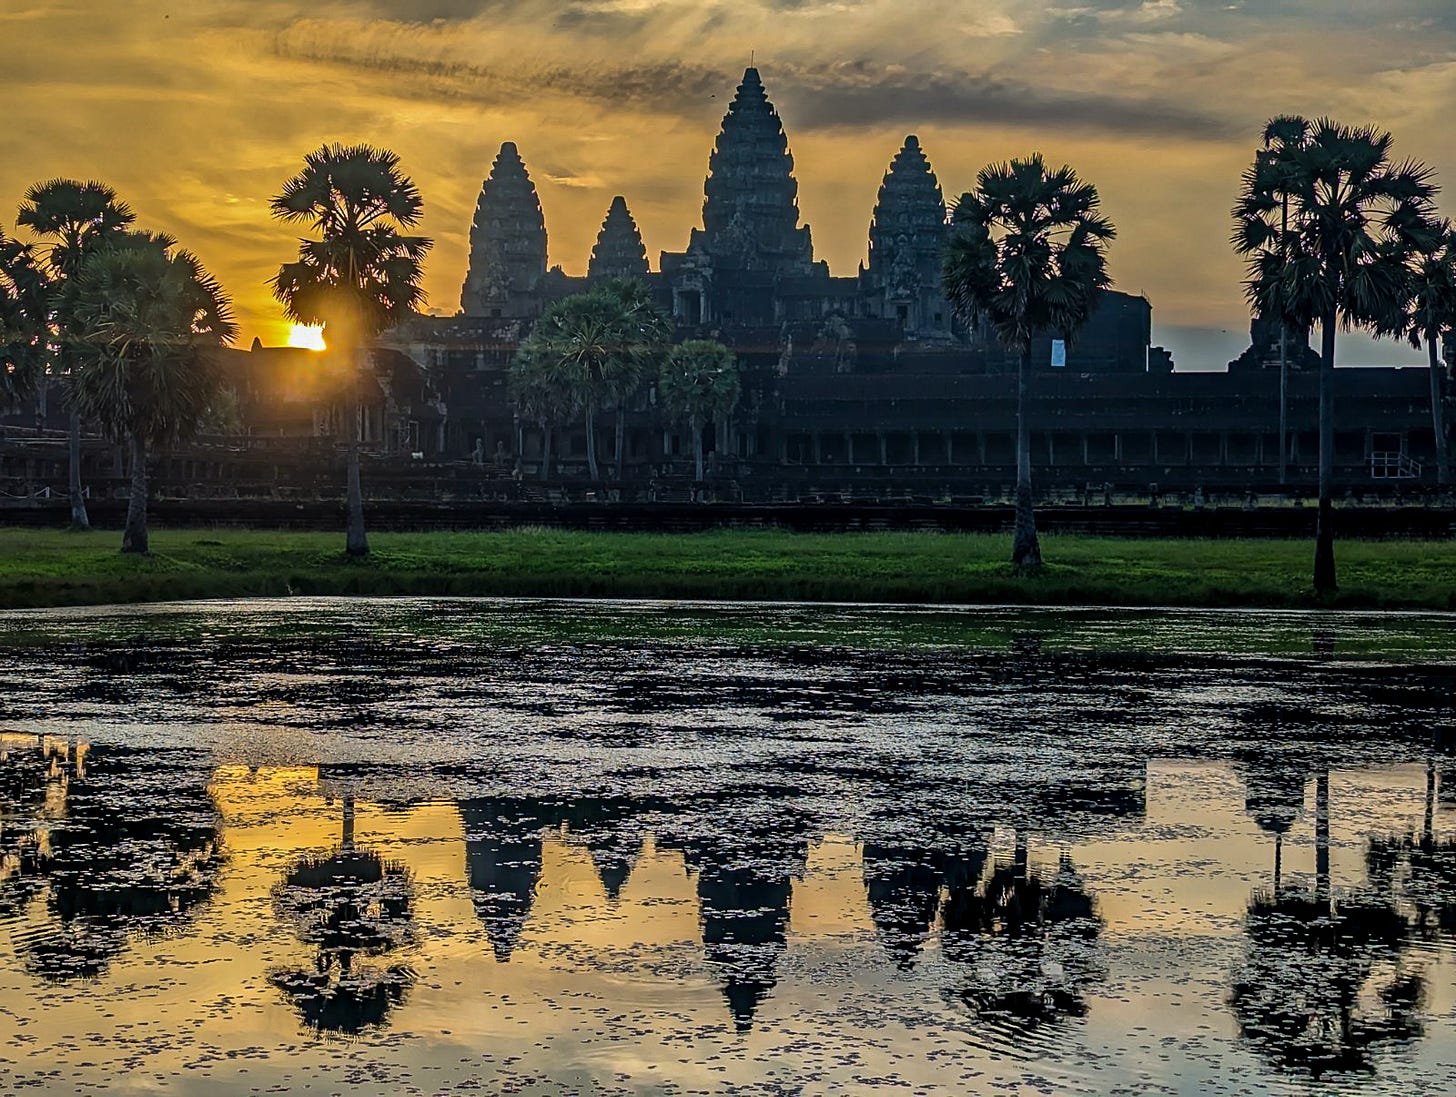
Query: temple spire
{"points": [[619, 252], [907, 238], [507, 241], [750, 208]]}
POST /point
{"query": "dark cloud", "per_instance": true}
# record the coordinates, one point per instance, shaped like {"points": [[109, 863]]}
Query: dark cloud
{"points": [[866, 97], [820, 97]]}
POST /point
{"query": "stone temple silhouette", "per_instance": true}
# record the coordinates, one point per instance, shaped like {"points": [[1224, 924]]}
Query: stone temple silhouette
{"points": [[862, 385], [870, 377]]}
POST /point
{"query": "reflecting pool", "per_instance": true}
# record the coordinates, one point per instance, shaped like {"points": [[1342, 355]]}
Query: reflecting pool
{"points": [[425, 846]]}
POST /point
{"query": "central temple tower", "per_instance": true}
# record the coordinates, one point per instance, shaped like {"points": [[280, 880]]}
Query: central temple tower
{"points": [[751, 206], [507, 242]]}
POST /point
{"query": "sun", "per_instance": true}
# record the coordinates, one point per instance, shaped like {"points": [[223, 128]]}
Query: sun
{"points": [[306, 336]]}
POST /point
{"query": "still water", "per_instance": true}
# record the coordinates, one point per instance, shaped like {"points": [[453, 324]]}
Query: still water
{"points": [[441, 846]]}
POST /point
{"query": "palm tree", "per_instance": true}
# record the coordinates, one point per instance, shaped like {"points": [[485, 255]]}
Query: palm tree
{"points": [[645, 332], [24, 322], [75, 219], [541, 392], [699, 383], [149, 318], [1338, 260], [1429, 313], [1282, 134], [598, 344], [360, 278], [1027, 256]]}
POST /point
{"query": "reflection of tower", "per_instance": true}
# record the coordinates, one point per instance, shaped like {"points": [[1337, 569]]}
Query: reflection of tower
{"points": [[904, 885], [604, 825], [502, 865], [746, 872], [35, 774]]}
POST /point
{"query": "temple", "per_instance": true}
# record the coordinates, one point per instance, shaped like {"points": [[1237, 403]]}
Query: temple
{"points": [[867, 385]]}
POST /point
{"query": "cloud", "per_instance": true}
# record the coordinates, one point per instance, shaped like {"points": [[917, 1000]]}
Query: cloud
{"points": [[871, 96]]}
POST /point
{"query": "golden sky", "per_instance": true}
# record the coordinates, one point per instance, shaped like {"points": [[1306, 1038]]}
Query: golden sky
{"points": [[196, 110]]}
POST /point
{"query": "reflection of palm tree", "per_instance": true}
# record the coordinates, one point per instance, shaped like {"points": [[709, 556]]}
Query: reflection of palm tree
{"points": [[503, 865], [137, 851], [1420, 872], [348, 904], [1025, 941], [1316, 966], [1303, 995], [1274, 797]]}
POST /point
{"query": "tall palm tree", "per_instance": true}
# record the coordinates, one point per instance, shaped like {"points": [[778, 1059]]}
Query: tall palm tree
{"points": [[577, 337], [24, 322], [699, 384], [1338, 260], [600, 345], [74, 219], [360, 278], [1028, 256], [150, 319], [1430, 313], [645, 334], [1282, 134], [541, 392]]}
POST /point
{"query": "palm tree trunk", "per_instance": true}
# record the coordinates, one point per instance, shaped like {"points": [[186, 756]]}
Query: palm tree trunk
{"points": [[134, 537], [1438, 417], [698, 448], [1025, 548], [1283, 355], [1324, 538], [1283, 407], [1322, 835], [79, 518], [1427, 832], [356, 543], [591, 443], [621, 436], [545, 451]]}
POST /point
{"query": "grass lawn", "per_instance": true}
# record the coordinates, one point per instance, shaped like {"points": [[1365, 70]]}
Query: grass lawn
{"points": [[45, 568]]}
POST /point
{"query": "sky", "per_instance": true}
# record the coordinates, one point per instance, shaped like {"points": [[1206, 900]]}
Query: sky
{"points": [[196, 111]]}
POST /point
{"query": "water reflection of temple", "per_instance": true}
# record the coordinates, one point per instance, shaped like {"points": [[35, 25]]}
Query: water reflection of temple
{"points": [[987, 905]]}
